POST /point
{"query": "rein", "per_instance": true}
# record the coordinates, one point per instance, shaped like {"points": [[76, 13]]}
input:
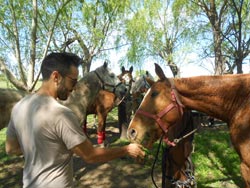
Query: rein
{"points": [[187, 172], [106, 84]]}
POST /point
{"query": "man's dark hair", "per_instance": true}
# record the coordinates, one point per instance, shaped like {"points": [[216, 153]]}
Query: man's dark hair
{"points": [[60, 62]]}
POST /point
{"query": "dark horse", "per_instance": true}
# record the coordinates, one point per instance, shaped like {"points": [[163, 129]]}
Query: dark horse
{"points": [[124, 108], [224, 97]]}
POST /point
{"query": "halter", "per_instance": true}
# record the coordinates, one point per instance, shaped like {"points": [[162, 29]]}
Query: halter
{"points": [[157, 117], [106, 84], [176, 103]]}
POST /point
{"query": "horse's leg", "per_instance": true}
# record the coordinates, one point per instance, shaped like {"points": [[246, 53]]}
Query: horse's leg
{"points": [[101, 135], [245, 161], [94, 124], [122, 119], [84, 126], [245, 170], [129, 109], [240, 136]]}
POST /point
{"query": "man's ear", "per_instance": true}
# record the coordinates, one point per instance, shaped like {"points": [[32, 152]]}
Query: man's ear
{"points": [[55, 76]]}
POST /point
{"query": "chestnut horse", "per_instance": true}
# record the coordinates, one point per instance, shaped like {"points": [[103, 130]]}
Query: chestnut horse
{"points": [[105, 101], [177, 166], [224, 97]]}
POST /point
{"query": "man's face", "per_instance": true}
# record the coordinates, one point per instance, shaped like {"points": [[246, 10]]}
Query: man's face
{"points": [[62, 91], [67, 85]]}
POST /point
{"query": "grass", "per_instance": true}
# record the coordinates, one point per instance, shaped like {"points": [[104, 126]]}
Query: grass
{"points": [[216, 162]]}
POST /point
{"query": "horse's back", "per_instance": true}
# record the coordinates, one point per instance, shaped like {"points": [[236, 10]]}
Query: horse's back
{"points": [[8, 98]]}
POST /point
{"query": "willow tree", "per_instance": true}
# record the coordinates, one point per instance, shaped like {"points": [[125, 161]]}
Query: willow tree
{"points": [[94, 30], [27, 28], [158, 29]]}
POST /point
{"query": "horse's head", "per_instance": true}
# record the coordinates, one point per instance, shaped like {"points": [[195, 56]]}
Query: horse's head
{"points": [[126, 77], [141, 83], [139, 88], [110, 81], [157, 113]]}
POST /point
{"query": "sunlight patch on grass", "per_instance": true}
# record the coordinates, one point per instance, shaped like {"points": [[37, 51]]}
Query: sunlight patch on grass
{"points": [[215, 160]]}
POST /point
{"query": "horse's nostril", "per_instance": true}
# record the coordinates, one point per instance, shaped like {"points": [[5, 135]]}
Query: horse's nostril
{"points": [[132, 134]]}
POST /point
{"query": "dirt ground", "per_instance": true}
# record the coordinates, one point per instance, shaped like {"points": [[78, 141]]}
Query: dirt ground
{"points": [[122, 173]]}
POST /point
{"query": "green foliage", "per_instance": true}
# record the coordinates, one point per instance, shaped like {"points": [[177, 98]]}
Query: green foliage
{"points": [[4, 83], [157, 29]]}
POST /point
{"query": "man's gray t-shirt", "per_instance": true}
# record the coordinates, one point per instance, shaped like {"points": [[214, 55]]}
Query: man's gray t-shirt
{"points": [[46, 131]]}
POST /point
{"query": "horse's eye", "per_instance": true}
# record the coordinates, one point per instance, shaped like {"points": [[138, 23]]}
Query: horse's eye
{"points": [[154, 94], [112, 75]]}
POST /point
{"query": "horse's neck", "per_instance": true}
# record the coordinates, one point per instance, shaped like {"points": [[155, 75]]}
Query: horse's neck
{"points": [[218, 96], [84, 95]]}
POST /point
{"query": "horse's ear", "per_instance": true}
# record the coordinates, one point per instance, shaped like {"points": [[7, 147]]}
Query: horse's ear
{"points": [[105, 64], [159, 72], [131, 69], [150, 81], [123, 69]]}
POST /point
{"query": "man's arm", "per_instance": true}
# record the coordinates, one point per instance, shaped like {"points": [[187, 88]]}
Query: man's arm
{"points": [[91, 154], [12, 146]]}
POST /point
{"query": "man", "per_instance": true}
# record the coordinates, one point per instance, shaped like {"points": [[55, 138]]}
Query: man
{"points": [[48, 133]]}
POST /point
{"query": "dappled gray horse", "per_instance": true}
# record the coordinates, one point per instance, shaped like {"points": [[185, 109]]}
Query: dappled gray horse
{"points": [[8, 98], [88, 88]]}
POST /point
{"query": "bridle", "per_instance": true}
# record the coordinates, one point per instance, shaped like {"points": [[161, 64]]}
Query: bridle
{"points": [[157, 117], [106, 84], [176, 103]]}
